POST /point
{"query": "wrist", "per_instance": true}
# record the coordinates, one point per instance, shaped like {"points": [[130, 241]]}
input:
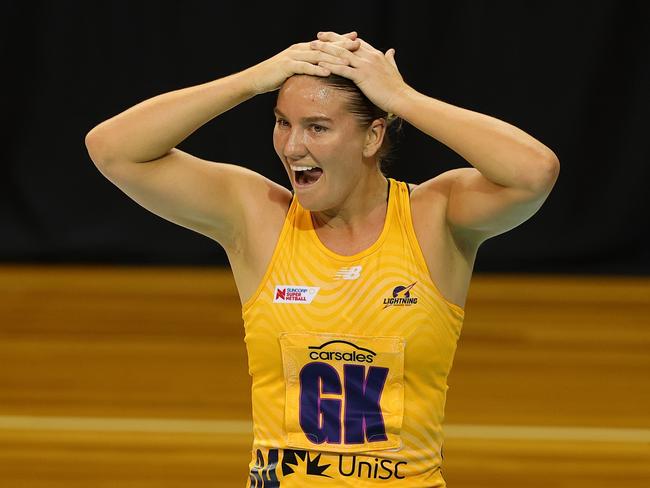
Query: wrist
{"points": [[248, 79], [403, 99]]}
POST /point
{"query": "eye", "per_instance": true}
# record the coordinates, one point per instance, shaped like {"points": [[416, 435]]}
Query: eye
{"points": [[319, 128], [281, 122]]}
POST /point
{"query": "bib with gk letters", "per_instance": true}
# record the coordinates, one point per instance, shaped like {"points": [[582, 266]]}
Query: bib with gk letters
{"points": [[344, 393]]}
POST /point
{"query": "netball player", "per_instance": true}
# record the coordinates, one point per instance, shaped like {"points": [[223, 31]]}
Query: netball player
{"points": [[353, 285]]}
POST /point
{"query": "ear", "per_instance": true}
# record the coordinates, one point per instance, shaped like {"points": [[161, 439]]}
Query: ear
{"points": [[374, 137]]}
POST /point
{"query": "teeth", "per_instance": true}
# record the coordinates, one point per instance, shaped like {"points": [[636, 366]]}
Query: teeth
{"points": [[302, 168]]}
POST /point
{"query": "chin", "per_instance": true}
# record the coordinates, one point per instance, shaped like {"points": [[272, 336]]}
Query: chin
{"points": [[310, 202]]}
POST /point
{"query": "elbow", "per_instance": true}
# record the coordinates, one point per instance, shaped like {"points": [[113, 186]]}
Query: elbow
{"points": [[97, 147], [552, 165], [549, 171]]}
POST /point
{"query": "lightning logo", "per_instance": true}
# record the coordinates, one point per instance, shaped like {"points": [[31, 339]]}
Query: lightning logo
{"points": [[401, 297]]}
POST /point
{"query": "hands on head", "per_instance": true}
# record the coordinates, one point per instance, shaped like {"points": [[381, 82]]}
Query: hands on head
{"points": [[374, 72], [347, 55], [300, 58]]}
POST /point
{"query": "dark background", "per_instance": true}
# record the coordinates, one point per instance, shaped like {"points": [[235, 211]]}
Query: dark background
{"points": [[572, 74]]}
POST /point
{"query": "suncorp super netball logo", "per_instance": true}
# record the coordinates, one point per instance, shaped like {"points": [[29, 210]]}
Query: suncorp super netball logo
{"points": [[401, 297], [294, 294]]}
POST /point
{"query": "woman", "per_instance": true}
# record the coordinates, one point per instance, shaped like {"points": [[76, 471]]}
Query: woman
{"points": [[352, 289]]}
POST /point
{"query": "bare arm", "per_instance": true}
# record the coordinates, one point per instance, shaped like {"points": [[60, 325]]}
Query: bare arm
{"points": [[513, 172], [151, 128], [136, 150], [503, 153]]}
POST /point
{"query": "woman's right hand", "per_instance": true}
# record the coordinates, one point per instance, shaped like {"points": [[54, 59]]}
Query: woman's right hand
{"points": [[297, 59]]}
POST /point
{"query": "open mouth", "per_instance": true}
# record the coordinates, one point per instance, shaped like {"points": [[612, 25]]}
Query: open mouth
{"points": [[307, 177]]}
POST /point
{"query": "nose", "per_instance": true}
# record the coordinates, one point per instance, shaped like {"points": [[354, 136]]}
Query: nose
{"points": [[294, 147]]}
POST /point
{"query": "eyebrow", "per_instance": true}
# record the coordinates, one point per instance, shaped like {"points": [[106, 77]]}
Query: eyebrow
{"points": [[315, 118]]}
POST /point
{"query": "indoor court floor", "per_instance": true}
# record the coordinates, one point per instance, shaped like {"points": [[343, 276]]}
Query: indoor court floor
{"points": [[136, 377]]}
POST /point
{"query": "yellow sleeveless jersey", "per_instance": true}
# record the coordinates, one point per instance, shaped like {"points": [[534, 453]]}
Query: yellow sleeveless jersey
{"points": [[349, 357]]}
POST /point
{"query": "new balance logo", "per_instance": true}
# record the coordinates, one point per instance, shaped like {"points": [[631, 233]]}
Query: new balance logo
{"points": [[351, 273]]}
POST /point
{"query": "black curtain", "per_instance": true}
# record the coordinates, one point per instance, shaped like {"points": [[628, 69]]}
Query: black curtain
{"points": [[572, 74]]}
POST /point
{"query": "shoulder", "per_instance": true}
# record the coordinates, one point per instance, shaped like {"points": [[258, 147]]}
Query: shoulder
{"points": [[430, 200], [430, 193], [442, 183], [270, 209], [264, 209]]}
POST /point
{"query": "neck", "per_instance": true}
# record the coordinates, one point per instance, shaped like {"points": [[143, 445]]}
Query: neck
{"points": [[365, 205]]}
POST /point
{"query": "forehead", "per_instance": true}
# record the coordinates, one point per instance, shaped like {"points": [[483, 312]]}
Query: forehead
{"points": [[305, 95]]}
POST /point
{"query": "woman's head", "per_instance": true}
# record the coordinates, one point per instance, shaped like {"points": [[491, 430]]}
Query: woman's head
{"points": [[366, 112], [329, 123]]}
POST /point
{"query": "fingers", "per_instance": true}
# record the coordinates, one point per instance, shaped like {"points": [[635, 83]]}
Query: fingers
{"points": [[300, 67], [349, 44], [314, 57], [366, 45], [349, 40], [390, 55], [333, 49], [339, 69], [333, 36], [304, 60], [308, 62]]}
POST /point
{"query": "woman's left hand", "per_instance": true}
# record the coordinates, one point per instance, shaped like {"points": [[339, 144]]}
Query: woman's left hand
{"points": [[374, 72]]}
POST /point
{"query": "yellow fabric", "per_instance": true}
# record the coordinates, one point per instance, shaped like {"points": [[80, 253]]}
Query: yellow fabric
{"points": [[349, 358]]}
